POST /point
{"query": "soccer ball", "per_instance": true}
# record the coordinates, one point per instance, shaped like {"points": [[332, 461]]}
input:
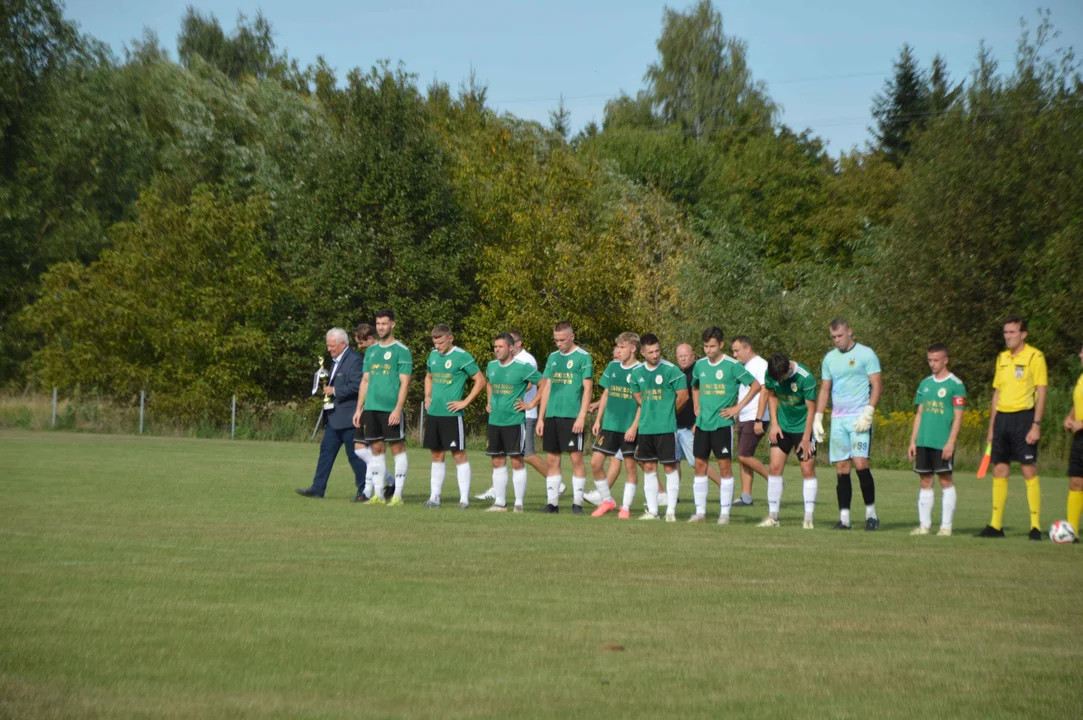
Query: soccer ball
{"points": [[1061, 532]]}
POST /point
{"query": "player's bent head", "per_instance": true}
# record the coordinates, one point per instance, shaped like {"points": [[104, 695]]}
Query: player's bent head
{"points": [[516, 336], [1018, 320], [628, 338], [363, 332], [649, 340], [440, 330], [563, 326], [840, 324], [713, 333], [937, 348], [386, 313], [778, 367]]}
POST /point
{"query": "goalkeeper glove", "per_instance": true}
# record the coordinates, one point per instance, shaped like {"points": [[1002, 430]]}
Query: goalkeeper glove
{"points": [[818, 427], [864, 420]]}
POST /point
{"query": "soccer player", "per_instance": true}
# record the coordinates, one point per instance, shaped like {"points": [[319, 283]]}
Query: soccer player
{"points": [[388, 366], [448, 367], [509, 379], [660, 389], [1015, 423], [790, 390], [565, 394], [365, 337], [851, 380], [615, 428], [715, 383], [750, 423], [1073, 423], [940, 400]]}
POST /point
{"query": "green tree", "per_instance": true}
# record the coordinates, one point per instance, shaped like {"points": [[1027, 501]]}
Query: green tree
{"points": [[901, 108]]}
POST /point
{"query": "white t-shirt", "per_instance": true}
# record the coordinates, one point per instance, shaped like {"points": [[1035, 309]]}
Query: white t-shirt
{"points": [[533, 392], [758, 367]]}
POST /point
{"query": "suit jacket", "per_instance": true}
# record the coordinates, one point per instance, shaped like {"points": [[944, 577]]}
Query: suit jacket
{"points": [[347, 382]]}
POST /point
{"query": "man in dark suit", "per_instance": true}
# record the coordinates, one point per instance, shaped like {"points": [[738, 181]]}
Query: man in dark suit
{"points": [[342, 387]]}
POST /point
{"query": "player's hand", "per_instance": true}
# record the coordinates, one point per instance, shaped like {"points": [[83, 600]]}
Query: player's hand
{"points": [[630, 436], [428, 403], [864, 420], [730, 412], [949, 450], [595, 428], [806, 449], [396, 416], [775, 435], [539, 429], [593, 407], [521, 406], [577, 426], [1068, 423], [989, 435], [357, 418], [457, 406], [1033, 436], [912, 452], [488, 407], [758, 428], [818, 427]]}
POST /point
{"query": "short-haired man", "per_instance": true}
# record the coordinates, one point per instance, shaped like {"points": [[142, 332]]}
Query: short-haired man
{"points": [[615, 428], [388, 368], [660, 389], [790, 390], [509, 379], [1015, 423], [565, 395], [364, 336], [940, 401], [447, 370], [1073, 423], [753, 417], [716, 380], [341, 388], [851, 380]]}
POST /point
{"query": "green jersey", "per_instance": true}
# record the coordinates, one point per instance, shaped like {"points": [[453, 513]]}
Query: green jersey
{"points": [[509, 383], [621, 405], [792, 392], [566, 374], [449, 373], [938, 400], [384, 364], [657, 389], [719, 384]]}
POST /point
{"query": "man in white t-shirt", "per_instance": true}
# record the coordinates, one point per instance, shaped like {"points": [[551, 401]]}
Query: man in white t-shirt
{"points": [[749, 427]]}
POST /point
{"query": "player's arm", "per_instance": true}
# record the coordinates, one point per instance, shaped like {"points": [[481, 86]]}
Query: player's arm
{"points": [[1035, 432], [489, 397], [821, 406], [806, 435], [581, 419], [761, 405], [876, 384], [633, 429], [601, 411], [480, 383], [543, 405], [404, 386], [912, 448], [735, 410], [992, 415], [772, 405], [522, 405], [865, 418], [681, 399], [428, 390], [361, 393], [956, 424]]}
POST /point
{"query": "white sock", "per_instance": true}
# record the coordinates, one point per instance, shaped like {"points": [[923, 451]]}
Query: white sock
{"points": [[401, 465], [725, 499], [363, 452], [436, 481], [518, 479], [925, 507], [673, 488], [699, 492], [376, 470], [870, 511], [500, 485], [579, 484], [808, 492], [844, 517], [602, 486], [462, 474], [552, 489], [947, 509], [629, 495], [368, 481], [650, 489], [774, 495]]}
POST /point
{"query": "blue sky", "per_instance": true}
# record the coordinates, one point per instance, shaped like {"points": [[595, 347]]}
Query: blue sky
{"points": [[822, 62]]}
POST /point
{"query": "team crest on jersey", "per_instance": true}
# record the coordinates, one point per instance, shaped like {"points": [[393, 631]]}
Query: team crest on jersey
{"points": [[657, 379], [718, 374], [447, 364], [1019, 370], [853, 362], [569, 364], [941, 392], [793, 387], [387, 355], [629, 378]]}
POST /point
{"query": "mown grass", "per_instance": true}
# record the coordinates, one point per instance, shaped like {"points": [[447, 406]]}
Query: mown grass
{"points": [[184, 578]]}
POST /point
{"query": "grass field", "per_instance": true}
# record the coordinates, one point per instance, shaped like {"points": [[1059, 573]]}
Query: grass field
{"points": [[184, 578]]}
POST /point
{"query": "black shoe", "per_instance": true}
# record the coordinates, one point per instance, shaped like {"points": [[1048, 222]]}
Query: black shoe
{"points": [[549, 509], [1035, 534], [1076, 541], [840, 526], [741, 503], [990, 532], [577, 509], [359, 499], [872, 524], [389, 492], [308, 492]]}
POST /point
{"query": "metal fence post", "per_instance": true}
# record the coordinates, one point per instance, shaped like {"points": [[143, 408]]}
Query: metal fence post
{"points": [[233, 420], [142, 403], [54, 407]]}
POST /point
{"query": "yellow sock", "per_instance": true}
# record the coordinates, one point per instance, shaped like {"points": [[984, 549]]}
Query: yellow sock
{"points": [[1000, 499], [1034, 500], [1075, 507]]}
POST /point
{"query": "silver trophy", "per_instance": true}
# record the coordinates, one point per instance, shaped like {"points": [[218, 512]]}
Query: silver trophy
{"points": [[322, 377]]}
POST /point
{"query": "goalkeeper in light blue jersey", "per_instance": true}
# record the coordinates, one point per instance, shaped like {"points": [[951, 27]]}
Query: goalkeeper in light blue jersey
{"points": [[851, 379]]}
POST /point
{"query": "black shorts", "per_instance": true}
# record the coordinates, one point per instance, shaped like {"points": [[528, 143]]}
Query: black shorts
{"points": [[719, 441], [930, 461], [444, 433], [377, 428], [559, 438], [1075, 458], [661, 448], [506, 440], [790, 441], [610, 442], [1009, 438]]}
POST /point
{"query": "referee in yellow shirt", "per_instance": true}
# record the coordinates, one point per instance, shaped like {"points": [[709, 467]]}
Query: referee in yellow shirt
{"points": [[1015, 423], [1073, 423]]}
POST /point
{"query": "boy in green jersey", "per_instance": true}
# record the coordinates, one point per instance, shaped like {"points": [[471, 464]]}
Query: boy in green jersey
{"points": [[661, 389], [790, 390], [388, 368], [716, 382], [564, 396], [447, 371], [615, 428], [940, 400], [508, 381]]}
